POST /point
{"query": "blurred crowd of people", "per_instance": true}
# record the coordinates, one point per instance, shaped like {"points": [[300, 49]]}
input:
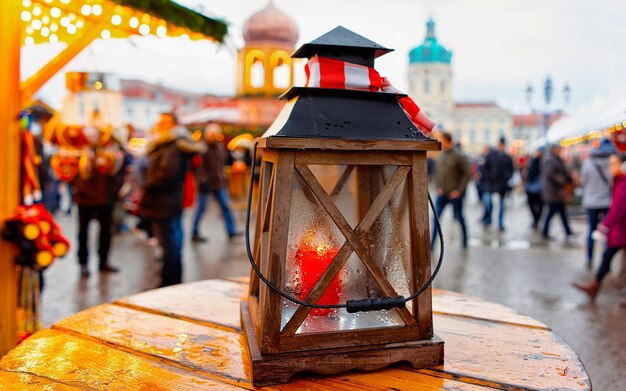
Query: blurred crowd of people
{"points": [[173, 173], [599, 184], [178, 172]]}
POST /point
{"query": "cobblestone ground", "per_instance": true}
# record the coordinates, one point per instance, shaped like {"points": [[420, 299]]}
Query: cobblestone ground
{"points": [[514, 268]]}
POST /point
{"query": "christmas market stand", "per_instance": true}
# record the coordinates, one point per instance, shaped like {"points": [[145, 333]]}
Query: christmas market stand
{"points": [[76, 24]]}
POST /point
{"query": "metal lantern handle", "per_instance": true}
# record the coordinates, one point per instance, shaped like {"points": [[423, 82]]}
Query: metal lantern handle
{"points": [[361, 305]]}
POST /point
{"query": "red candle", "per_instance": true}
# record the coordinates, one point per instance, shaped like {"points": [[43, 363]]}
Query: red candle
{"points": [[312, 259]]}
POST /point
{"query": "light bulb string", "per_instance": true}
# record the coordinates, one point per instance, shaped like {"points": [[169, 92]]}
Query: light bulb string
{"points": [[351, 305]]}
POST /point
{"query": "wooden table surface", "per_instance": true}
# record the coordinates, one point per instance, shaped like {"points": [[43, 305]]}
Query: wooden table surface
{"points": [[188, 337]]}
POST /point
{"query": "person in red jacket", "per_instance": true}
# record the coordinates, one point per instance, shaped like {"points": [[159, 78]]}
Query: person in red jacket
{"points": [[612, 229]]}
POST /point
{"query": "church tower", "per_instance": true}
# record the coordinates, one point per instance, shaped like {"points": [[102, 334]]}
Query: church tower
{"points": [[430, 78], [264, 66]]}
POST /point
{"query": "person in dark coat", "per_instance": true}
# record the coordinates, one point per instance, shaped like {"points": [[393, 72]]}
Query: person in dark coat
{"points": [[211, 180], [95, 196], [497, 171], [452, 174], [533, 188], [168, 162], [612, 229], [554, 180]]}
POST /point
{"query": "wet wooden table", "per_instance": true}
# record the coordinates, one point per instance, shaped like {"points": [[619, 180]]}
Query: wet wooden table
{"points": [[188, 337]]}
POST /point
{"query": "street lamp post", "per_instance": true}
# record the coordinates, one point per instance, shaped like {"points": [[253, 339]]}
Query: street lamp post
{"points": [[548, 91], [566, 93], [529, 96], [547, 94]]}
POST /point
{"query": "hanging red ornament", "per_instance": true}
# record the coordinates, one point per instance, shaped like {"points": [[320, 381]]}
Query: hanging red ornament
{"points": [[64, 166]]}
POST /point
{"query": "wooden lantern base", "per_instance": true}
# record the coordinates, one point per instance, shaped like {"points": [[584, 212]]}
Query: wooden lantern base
{"points": [[279, 368]]}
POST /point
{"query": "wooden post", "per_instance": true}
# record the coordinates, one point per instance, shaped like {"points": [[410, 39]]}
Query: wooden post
{"points": [[36, 81], [10, 43]]}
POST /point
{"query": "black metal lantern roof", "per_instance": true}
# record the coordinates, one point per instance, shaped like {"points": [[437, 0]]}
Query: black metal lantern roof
{"points": [[343, 44], [343, 114]]}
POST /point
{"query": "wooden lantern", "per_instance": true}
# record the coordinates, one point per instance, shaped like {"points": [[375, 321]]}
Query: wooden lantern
{"points": [[342, 214]]}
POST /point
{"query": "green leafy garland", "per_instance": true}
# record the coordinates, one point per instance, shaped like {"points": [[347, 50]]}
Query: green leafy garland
{"points": [[180, 16]]}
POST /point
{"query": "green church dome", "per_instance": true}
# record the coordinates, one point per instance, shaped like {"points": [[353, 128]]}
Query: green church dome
{"points": [[430, 50]]}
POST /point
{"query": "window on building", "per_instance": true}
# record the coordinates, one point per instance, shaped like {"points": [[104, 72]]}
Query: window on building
{"points": [[487, 135], [472, 135], [257, 73], [442, 86], [281, 75], [426, 86]]}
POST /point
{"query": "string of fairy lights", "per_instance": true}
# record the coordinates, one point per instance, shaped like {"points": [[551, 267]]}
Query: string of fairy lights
{"points": [[52, 21], [593, 135]]}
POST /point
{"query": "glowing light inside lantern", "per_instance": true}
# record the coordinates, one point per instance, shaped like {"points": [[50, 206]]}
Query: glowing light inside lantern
{"points": [[55, 12], [134, 22], [313, 258], [116, 20]]}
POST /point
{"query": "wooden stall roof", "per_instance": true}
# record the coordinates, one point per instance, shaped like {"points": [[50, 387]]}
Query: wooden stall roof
{"points": [[187, 337]]}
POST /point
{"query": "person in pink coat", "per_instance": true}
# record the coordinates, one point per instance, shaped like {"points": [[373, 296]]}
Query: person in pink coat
{"points": [[612, 229]]}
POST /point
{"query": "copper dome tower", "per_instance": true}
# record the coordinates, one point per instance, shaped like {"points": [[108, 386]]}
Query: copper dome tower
{"points": [[270, 25]]}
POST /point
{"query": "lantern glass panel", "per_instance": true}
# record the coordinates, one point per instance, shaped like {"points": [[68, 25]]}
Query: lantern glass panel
{"points": [[315, 240]]}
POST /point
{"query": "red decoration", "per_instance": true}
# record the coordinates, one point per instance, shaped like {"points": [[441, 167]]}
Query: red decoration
{"points": [[66, 167], [37, 235], [619, 139], [312, 259], [323, 72]]}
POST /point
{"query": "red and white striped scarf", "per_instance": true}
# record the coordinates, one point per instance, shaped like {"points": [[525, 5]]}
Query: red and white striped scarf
{"points": [[325, 72]]}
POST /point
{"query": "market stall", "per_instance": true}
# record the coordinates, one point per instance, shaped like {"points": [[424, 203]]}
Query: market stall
{"points": [[77, 24], [604, 117]]}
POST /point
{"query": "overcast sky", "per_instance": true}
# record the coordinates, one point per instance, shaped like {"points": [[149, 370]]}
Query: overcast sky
{"points": [[498, 46]]}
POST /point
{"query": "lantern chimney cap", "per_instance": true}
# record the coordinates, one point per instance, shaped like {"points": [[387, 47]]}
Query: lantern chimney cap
{"points": [[343, 43]]}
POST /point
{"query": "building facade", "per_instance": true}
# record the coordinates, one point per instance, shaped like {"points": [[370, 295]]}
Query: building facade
{"points": [[473, 124], [477, 124], [264, 64], [430, 78], [530, 129], [144, 102], [264, 70]]}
